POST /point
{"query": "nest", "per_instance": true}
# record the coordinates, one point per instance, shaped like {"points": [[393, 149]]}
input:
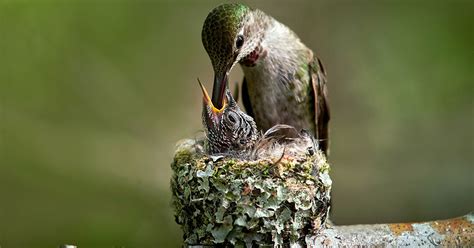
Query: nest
{"points": [[232, 201]]}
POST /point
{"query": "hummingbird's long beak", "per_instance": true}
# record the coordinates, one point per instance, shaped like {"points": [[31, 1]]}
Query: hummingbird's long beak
{"points": [[207, 100], [218, 90]]}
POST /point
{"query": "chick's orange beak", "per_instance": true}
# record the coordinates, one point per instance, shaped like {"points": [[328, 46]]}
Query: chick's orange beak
{"points": [[208, 101]]}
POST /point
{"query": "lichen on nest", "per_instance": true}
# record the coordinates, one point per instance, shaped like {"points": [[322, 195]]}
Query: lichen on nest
{"points": [[232, 201]]}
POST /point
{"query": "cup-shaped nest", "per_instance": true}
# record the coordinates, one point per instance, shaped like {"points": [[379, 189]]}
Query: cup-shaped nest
{"points": [[227, 200]]}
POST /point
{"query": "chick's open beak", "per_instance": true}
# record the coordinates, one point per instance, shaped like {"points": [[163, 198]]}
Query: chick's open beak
{"points": [[208, 101]]}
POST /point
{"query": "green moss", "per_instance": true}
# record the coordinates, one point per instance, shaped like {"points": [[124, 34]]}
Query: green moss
{"points": [[222, 200]]}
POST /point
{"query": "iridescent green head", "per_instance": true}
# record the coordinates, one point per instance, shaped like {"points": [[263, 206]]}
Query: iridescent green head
{"points": [[230, 33]]}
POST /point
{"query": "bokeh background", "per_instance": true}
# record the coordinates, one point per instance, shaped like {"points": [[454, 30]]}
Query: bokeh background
{"points": [[94, 96]]}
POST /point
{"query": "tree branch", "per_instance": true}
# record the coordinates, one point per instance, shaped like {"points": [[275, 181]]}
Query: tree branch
{"points": [[456, 232]]}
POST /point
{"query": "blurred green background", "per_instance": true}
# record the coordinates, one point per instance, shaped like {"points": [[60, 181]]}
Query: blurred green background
{"points": [[94, 96]]}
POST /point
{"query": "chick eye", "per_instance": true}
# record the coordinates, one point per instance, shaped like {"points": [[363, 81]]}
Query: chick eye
{"points": [[240, 41], [231, 118]]}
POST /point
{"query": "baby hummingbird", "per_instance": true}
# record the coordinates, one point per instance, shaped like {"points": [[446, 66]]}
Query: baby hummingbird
{"points": [[228, 129]]}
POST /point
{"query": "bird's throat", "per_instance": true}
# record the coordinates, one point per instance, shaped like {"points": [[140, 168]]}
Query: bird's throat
{"points": [[251, 59]]}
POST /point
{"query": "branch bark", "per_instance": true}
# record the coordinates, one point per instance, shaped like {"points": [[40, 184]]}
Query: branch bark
{"points": [[456, 232]]}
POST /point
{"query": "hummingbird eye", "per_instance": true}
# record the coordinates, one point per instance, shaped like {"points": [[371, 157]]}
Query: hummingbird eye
{"points": [[240, 41]]}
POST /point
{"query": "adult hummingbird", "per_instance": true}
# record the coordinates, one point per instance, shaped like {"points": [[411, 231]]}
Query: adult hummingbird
{"points": [[284, 82]]}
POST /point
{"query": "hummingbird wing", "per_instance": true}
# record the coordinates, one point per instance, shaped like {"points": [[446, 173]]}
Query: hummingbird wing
{"points": [[321, 103], [246, 98]]}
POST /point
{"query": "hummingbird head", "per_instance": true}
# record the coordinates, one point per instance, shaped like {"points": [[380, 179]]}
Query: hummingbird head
{"points": [[230, 33], [228, 129]]}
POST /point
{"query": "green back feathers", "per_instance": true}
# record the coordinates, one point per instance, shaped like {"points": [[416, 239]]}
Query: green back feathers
{"points": [[219, 32]]}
